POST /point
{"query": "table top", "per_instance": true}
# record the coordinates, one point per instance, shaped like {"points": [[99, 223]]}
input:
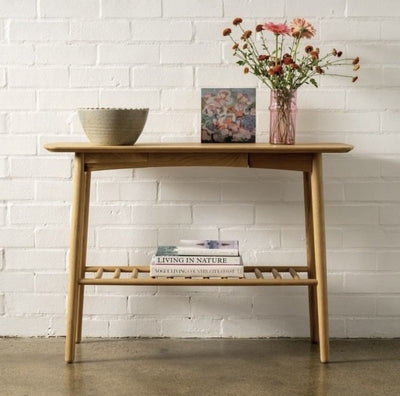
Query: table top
{"points": [[79, 147]]}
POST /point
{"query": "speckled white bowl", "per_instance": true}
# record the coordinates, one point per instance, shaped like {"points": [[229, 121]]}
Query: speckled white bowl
{"points": [[113, 127]]}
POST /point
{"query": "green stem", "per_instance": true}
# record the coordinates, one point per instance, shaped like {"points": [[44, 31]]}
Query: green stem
{"points": [[297, 42], [264, 43], [242, 56]]}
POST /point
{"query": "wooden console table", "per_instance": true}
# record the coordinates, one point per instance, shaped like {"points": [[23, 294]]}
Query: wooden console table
{"points": [[306, 158]]}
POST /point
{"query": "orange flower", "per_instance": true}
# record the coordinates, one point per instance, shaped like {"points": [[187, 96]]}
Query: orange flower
{"points": [[246, 70], [235, 46], [309, 48], [356, 61], [356, 67], [301, 28], [287, 59], [259, 28], [226, 31], [354, 79], [246, 34], [237, 21], [275, 70]]}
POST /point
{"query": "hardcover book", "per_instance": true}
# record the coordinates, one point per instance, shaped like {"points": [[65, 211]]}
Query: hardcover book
{"points": [[233, 271], [200, 248]]}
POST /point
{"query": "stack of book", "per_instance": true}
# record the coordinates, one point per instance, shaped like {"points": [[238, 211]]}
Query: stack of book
{"points": [[192, 258]]}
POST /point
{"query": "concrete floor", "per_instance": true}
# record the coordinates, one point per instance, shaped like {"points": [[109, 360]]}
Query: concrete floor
{"points": [[201, 367]]}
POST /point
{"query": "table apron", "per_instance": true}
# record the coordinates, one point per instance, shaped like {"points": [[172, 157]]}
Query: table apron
{"points": [[289, 161]]}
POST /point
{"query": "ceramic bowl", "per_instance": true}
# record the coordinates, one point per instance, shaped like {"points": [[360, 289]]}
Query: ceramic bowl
{"points": [[113, 127]]}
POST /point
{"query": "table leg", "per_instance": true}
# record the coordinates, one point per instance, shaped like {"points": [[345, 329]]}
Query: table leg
{"points": [[317, 200], [82, 264], [312, 295], [75, 255]]}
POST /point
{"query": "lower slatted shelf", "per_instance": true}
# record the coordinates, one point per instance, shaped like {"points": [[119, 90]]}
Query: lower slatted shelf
{"points": [[254, 275]]}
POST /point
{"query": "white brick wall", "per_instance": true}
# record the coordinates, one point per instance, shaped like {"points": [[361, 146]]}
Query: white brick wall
{"points": [[57, 55]]}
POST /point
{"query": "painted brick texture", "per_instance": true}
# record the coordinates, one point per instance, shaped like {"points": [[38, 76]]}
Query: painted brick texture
{"points": [[57, 55]]}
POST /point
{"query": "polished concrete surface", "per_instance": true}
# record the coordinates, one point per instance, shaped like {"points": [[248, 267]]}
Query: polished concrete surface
{"points": [[203, 367]]}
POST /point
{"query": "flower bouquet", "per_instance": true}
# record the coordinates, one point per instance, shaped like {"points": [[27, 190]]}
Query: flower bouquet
{"points": [[285, 68]]}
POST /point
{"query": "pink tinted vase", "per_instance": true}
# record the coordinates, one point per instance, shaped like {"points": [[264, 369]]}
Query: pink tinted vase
{"points": [[283, 108]]}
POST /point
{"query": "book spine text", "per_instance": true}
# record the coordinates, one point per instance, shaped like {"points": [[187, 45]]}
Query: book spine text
{"points": [[197, 260], [195, 270]]}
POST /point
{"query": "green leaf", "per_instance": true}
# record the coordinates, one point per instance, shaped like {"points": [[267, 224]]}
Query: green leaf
{"points": [[241, 63], [313, 82]]}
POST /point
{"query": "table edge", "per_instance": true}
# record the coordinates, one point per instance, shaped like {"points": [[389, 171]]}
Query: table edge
{"points": [[79, 147]]}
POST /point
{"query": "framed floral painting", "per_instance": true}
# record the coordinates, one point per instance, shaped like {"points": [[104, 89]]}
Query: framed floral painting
{"points": [[228, 115]]}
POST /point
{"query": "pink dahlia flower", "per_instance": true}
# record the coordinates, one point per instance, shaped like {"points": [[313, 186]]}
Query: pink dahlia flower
{"points": [[277, 28], [301, 28]]}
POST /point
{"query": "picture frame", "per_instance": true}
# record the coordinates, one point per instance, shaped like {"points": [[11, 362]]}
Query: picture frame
{"points": [[228, 115]]}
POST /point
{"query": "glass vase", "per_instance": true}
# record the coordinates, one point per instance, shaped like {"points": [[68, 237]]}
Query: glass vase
{"points": [[283, 108]]}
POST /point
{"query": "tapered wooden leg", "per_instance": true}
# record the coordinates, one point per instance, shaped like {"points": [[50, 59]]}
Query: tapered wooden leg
{"points": [[317, 200], [312, 293], [75, 255], [82, 263]]}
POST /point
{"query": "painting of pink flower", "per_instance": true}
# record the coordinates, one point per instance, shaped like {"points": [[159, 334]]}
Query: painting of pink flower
{"points": [[302, 29], [277, 28], [228, 115]]}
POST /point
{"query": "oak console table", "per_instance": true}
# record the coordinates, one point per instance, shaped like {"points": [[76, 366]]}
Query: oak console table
{"points": [[306, 158]]}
